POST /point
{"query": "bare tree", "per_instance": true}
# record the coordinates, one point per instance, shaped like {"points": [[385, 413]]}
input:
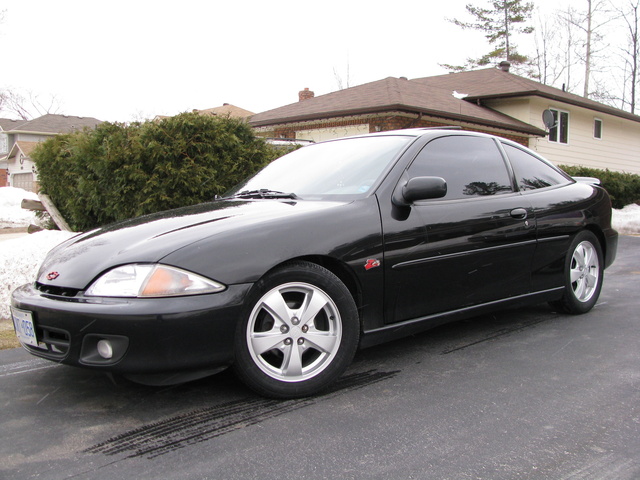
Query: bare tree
{"points": [[14, 103], [590, 22], [343, 84], [630, 54], [11, 103], [550, 64]]}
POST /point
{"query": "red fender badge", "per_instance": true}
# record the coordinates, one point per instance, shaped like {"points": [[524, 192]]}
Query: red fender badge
{"points": [[52, 275], [372, 263]]}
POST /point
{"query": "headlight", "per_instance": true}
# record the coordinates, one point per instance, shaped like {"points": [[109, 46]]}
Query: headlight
{"points": [[151, 281]]}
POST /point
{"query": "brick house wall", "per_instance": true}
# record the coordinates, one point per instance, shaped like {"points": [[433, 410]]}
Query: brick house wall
{"points": [[383, 124]]}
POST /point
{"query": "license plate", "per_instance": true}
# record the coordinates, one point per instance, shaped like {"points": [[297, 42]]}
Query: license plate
{"points": [[23, 324]]}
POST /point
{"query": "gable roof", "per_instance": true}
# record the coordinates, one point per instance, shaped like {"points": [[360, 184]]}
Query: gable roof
{"points": [[25, 147], [226, 109], [493, 83], [53, 124], [392, 95]]}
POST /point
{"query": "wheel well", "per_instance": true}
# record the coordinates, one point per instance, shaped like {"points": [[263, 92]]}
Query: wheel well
{"points": [[601, 240], [340, 270]]}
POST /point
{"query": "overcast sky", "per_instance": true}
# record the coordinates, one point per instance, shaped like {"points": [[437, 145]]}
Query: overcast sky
{"points": [[121, 60]]}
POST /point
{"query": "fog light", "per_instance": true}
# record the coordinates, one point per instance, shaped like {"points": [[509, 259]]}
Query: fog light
{"points": [[105, 349]]}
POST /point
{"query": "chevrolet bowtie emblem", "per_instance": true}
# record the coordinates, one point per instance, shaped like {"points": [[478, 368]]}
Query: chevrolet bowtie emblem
{"points": [[52, 275]]}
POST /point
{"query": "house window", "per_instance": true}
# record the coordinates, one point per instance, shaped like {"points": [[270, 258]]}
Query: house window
{"points": [[560, 132], [597, 128], [4, 143]]}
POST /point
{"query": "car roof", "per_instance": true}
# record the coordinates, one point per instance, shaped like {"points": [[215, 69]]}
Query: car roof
{"points": [[442, 131], [420, 132]]}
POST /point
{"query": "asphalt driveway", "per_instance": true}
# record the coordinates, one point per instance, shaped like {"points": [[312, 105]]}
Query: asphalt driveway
{"points": [[525, 393]]}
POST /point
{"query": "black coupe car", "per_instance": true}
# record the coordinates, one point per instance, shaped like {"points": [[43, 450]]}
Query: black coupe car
{"points": [[338, 245]]}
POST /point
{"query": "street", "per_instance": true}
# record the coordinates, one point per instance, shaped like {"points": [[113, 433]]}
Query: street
{"points": [[526, 393]]}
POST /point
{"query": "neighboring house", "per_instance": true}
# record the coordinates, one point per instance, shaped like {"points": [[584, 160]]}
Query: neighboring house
{"points": [[19, 138], [226, 110], [490, 100], [5, 124]]}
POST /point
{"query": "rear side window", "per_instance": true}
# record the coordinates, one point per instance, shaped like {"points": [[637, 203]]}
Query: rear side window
{"points": [[471, 166], [531, 172]]}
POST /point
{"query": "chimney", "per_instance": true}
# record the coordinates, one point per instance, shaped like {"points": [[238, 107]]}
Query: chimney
{"points": [[504, 66], [305, 94]]}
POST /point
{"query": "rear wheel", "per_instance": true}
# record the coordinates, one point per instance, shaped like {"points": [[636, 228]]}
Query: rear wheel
{"points": [[299, 332], [583, 274]]}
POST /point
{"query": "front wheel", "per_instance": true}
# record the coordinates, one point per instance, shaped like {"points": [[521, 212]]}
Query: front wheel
{"points": [[583, 274], [299, 332]]}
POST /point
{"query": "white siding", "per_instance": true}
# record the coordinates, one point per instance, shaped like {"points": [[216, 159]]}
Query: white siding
{"points": [[30, 137], [618, 150]]}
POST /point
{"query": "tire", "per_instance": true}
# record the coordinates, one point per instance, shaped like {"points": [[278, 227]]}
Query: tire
{"points": [[299, 332], [583, 273]]}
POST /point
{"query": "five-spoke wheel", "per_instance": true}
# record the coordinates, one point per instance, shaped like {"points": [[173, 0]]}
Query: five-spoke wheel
{"points": [[583, 274], [584, 271], [294, 332], [300, 334]]}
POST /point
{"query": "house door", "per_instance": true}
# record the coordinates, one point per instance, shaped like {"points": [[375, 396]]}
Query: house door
{"points": [[24, 181]]}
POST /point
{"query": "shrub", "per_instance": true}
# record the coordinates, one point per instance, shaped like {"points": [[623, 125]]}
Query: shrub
{"points": [[119, 171], [623, 188]]}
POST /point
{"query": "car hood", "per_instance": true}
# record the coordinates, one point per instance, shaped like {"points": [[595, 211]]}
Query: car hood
{"points": [[148, 239]]}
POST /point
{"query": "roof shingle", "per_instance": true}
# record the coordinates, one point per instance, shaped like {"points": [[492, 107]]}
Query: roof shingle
{"points": [[495, 83], [433, 96], [390, 94], [53, 124]]}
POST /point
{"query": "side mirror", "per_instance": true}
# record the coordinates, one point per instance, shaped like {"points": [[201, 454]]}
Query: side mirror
{"points": [[419, 188]]}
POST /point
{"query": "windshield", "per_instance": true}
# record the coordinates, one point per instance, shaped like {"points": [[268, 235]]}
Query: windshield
{"points": [[342, 167]]}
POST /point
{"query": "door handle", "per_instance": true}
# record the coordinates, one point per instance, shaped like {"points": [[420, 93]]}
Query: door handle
{"points": [[519, 213]]}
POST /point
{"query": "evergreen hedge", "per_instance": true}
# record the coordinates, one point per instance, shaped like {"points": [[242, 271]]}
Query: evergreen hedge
{"points": [[623, 188], [119, 171]]}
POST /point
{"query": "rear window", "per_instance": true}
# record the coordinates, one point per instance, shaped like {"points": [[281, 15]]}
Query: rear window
{"points": [[531, 172]]}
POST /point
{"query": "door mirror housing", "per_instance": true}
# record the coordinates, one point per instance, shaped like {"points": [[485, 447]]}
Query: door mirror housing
{"points": [[419, 188]]}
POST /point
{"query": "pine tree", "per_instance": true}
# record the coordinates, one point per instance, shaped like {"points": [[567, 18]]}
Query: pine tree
{"points": [[500, 22]]}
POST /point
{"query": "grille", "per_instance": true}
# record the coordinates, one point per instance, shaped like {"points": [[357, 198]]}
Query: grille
{"points": [[52, 343], [58, 291]]}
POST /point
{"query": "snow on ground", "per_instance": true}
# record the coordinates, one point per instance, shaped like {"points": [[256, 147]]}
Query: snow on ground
{"points": [[627, 220], [11, 214], [20, 257]]}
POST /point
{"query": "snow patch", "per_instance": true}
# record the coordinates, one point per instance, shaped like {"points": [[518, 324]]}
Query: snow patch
{"points": [[627, 220], [20, 259], [12, 215]]}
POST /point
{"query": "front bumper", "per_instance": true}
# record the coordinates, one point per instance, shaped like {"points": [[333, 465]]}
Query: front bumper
{"points": [[148, 335]]}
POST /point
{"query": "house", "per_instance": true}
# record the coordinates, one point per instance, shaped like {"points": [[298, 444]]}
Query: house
{"points": [[19, 138], [226, 110], [490, 100], [5, 124]]}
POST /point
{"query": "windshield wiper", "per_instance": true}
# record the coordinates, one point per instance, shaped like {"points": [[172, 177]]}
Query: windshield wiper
{"points": [[264, 193]]}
